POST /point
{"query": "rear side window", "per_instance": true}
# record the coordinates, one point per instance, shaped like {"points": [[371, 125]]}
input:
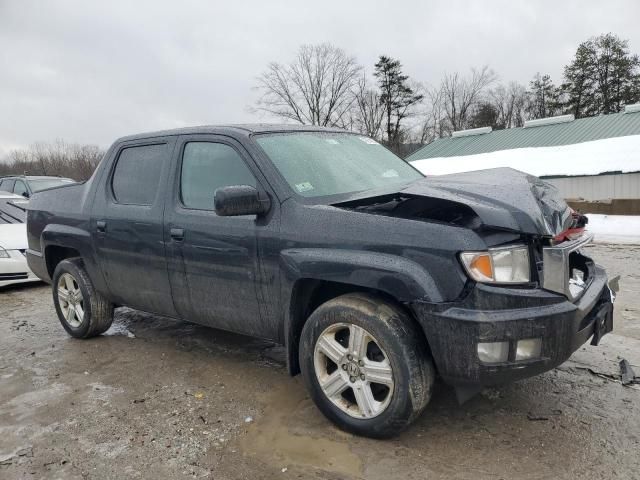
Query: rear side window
{"points": [[137, 175], [7, 185], [208, 166]]}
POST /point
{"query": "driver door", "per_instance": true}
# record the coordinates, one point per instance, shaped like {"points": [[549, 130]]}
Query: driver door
{"points": [[214, 262]]}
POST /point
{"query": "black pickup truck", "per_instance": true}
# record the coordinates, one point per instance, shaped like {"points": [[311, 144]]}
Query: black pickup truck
{"points": [[375, 278]]}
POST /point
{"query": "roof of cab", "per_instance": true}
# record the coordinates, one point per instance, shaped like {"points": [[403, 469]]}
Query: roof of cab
{"points": [[233, 130]]}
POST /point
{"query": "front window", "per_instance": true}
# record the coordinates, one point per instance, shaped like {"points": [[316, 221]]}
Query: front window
{"points": [[207, 167], [43, 184], [317, 164], [20, 188]]}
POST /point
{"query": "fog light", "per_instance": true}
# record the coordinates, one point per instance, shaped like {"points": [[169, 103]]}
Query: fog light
{"points": [[528, 349], [493, 352]]}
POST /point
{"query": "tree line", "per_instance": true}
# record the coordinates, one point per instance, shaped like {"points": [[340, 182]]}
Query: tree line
{"points": [[324, 85], [59, 158]]}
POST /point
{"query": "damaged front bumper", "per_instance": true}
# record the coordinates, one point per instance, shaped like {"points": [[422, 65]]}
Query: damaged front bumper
{"points": [[490, 314]]}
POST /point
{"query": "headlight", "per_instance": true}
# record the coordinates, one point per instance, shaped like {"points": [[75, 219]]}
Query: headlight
{"points": [[3, 253], [498, 265]]}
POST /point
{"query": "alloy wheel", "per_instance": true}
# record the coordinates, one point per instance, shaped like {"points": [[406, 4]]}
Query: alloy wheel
{"points": [[353, 370], [71, 300]]}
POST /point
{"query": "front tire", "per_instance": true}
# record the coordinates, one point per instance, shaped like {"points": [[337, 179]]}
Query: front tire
{"points": [[366, 365], [82, 311]]}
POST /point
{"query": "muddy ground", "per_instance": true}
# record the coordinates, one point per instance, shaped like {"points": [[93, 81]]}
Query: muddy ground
{"points": [[161, 399]]}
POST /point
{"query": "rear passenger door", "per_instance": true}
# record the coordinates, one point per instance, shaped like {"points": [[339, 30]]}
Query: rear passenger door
{"points": [[127, 225]]}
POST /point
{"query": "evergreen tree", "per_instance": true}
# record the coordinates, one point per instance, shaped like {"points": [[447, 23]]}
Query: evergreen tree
{"points": [[396, 96], [579, 83], [544, 97], [602, 78], [486, 115], [617, 72]]}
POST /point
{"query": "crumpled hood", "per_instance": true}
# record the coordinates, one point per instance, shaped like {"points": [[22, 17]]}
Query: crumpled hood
{"points": [[13, 236], [502, 198]]}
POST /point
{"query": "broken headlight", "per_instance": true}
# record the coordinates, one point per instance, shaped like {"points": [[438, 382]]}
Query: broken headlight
{"points": [[498, 265]]}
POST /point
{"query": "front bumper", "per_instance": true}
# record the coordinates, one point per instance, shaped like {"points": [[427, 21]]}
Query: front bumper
{"points": [[15, 270], [495, 314]]}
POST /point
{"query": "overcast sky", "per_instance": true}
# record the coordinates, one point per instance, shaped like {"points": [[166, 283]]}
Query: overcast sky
{"points": [[88, 72]]}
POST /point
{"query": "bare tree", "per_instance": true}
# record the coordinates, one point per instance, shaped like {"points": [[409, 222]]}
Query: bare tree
{"points": [[461, 94], [316, 88], [434, 119], [368, 110], [510, 103]]}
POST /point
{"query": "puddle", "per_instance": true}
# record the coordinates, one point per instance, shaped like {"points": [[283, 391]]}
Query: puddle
{"points": [[271, 437], [25, 405]]}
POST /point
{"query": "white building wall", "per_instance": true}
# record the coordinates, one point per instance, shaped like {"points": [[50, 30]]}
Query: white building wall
{"points": [[599, 187]]}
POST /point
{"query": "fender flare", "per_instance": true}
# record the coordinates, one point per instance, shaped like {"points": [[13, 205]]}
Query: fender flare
{"points": [[399, 277], [57, 235]]}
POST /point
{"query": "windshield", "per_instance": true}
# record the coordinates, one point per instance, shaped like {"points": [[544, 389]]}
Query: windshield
{"points": [[43, 184], [316, 164]]}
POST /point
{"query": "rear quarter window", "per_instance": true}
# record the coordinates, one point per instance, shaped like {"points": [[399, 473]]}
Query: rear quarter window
{"points": [[136, 177]]}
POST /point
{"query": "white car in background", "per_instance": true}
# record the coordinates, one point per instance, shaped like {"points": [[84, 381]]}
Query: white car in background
{"points": [[13, 241]]}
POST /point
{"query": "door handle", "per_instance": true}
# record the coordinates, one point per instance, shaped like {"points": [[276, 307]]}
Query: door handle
{"points": [[101, 226], [177, 234]]}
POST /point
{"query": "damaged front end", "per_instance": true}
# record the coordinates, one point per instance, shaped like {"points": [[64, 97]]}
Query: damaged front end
{"points": [[499, 198], [532, 297]]}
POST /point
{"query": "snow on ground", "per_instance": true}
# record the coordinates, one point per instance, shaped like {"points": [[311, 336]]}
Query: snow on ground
{"points": [[119, 329], [588, 158], [614, 228]]}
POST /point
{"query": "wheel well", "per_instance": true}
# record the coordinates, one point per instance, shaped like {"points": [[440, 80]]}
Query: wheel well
{"points": [[55, 254], [308, 294]]}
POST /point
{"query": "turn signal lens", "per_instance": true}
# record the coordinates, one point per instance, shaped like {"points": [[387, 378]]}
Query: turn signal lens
{"points": [[498, 265], [478, 265]]}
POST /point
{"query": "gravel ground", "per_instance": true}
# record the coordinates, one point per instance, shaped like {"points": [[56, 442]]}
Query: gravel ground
{"points": [[157, 398]]}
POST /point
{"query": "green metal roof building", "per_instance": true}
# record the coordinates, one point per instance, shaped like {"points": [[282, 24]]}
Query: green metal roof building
{"points": [[548, 132]]}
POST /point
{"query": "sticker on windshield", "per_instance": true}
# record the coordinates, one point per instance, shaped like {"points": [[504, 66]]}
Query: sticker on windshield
{"points": [[304, 187], [390, 174], [368, 140], [332, 141]]}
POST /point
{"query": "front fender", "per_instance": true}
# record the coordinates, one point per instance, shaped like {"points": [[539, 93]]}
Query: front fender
{"points": [[403, 279]]}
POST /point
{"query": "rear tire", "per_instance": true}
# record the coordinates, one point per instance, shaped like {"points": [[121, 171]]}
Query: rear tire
{"points": [[82, 311], [366, 365]]}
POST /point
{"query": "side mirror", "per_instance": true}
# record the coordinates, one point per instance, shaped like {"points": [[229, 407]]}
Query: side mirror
{"points": [[25, 194], [240, 200]]}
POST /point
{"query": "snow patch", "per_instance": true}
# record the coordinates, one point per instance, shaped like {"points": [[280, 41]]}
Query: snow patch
{"points": [[587, 158], [623, 229], [119, 329]]}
